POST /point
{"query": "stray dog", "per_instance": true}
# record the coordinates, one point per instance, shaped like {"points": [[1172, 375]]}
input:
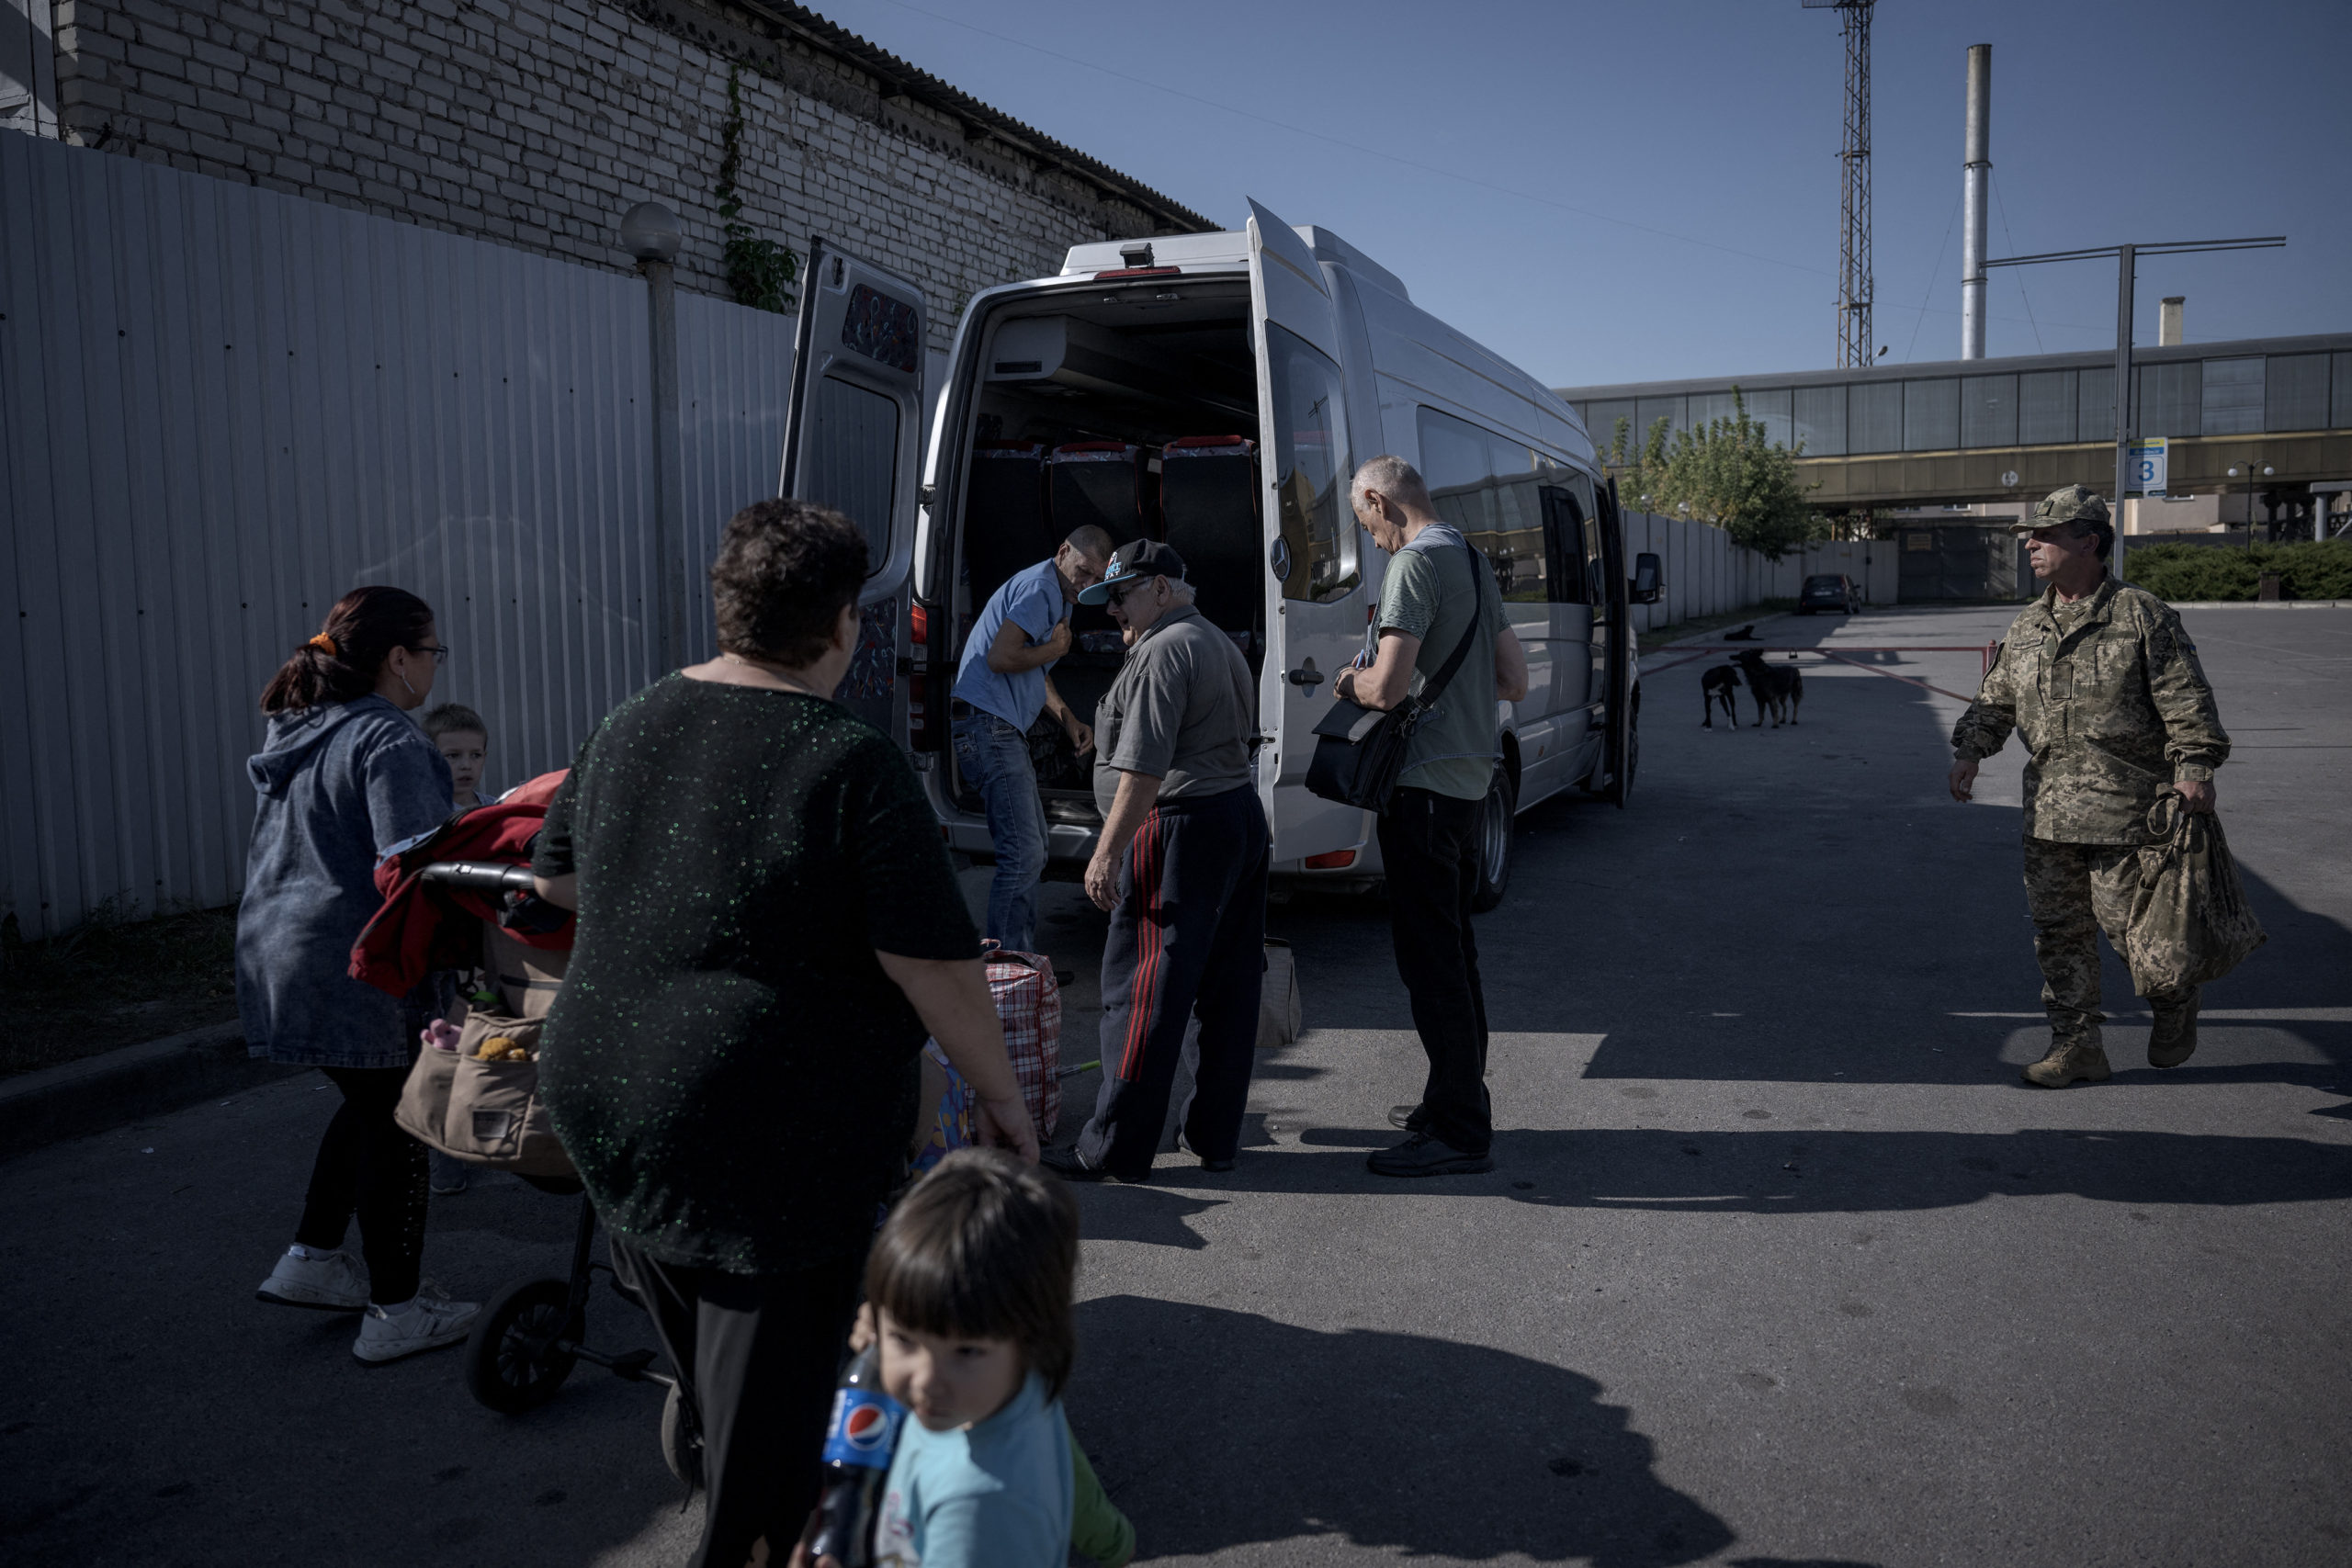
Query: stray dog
{"points": [[1719, 685], [1744, 633], [1779, 689]]}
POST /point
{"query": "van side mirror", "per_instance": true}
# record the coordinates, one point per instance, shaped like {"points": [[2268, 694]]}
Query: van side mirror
{"points": [[1649, 579]]}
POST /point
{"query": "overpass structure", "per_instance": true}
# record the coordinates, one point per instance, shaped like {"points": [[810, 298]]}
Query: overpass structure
{"points": [[2014, 429]]}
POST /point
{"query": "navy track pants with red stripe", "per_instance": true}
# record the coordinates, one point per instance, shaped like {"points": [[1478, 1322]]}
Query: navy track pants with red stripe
{"points": [[1188, 937]]}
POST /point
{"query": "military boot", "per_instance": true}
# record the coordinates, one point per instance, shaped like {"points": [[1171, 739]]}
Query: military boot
{"points": [[2069, 1060], [2174, 1039]]}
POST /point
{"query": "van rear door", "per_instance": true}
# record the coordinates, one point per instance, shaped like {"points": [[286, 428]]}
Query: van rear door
{"points": [[1315, 616], [853, 441]]}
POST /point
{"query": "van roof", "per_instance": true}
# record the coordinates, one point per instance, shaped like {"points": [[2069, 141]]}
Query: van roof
{"points": [[1228, 248]]}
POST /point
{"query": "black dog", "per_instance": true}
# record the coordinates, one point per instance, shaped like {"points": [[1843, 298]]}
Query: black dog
{"points": [[1719, 685], [1744, 633], [1779, 689]]}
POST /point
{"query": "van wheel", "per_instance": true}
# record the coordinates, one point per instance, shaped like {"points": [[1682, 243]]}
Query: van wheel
{"points": [[1621, 788], [1497, 817]]}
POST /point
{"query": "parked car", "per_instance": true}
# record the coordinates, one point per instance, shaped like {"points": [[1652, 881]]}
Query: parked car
{"points": [[1215, 391], [1839, 594]]}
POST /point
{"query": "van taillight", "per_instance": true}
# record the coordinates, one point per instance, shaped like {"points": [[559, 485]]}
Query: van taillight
{"points": [[919, 627], [921, 732], [1338, 860]]}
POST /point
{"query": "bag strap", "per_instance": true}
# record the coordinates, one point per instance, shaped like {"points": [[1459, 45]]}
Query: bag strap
{"points": [[1435, 689]]}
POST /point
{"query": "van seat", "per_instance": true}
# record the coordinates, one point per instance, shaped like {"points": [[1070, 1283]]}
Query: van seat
{"points": [[1099, 482], [1006, 528], [1208, 502]]}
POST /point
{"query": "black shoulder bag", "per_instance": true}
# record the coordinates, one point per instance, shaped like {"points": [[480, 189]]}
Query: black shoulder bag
{"points": [[1359, 751]]}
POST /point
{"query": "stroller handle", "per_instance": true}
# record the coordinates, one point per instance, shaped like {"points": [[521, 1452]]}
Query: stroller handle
{"points": [[488, 875]]}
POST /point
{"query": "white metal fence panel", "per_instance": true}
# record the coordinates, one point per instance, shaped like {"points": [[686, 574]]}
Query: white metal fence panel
{"points": [[220, 408], [1706, 574]]}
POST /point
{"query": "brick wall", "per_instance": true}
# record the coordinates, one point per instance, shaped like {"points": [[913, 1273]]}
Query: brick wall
{"points": [[538, 122]]}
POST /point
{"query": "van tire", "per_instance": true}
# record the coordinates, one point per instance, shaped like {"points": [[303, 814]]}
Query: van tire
{"points": [[1498, 816]]}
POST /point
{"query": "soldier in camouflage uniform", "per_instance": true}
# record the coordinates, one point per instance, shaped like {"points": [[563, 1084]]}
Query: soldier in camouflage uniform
{"points": [[2104, 685]]}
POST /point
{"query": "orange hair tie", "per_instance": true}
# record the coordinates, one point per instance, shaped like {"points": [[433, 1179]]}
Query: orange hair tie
{"points": [[325, 645]]}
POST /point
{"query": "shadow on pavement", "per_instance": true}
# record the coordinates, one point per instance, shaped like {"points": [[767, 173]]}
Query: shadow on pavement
{"points": [[1216, 1429], [1799, 1170]]}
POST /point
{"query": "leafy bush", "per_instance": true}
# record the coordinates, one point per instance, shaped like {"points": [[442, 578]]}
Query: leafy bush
{"points": [[2311, 569]]}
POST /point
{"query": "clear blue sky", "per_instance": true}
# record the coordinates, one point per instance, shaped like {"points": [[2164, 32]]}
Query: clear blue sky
{"points": [[1522, 165]]}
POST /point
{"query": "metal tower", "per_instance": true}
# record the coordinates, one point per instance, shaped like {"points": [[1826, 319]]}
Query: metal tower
{"points": [[1854, 341]]}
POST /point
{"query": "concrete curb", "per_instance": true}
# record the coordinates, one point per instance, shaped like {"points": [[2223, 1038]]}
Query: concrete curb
{"points": [[99, 1092], [2261, 604]]}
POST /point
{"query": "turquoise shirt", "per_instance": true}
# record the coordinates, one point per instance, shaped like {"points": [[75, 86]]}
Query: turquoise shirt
{"points": [[997, 1494]]}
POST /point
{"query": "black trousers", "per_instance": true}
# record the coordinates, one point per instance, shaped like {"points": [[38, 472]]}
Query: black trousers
{"points": [[1428, 846], [759, 1355], [1188, 937], [367, 1166]]}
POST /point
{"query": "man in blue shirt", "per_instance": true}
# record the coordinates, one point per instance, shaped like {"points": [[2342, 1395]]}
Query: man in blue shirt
{"points": [[1000, 688]]}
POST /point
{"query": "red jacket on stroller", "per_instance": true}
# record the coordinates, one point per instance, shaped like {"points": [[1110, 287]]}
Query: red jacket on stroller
{"points": [[424, 925]]}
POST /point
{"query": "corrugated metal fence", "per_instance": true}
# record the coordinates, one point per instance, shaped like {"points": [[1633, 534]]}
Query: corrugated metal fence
{"points": [[1706, 574], [220, 408]]}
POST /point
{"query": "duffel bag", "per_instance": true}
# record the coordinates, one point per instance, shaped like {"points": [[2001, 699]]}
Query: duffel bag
{"points": [[1029, 1004]]}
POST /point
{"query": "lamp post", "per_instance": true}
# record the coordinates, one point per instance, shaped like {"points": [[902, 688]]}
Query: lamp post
{"points": [[2250, 468], [651, 233]]}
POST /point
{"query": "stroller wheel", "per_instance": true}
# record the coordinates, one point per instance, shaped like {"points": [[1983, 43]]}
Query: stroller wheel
{"points": [[512, 1361], [681, 1438]]}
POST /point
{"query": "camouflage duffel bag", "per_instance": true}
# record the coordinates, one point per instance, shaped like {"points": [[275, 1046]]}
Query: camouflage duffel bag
{"points": [[2190, 921]]}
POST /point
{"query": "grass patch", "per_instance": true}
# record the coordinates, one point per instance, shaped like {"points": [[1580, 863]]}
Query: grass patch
{"points": [[111, 982], [1651, 641]]}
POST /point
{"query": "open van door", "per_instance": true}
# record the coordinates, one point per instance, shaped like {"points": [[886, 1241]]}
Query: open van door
{"points": [[1313, 581], [853, 441], [1623, 756]]}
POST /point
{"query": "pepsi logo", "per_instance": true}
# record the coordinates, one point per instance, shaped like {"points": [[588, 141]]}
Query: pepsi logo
{"points": [[866, 1427]]}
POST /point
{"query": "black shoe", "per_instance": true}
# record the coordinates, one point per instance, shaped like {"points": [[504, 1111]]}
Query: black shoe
{"points": [[1066, 1162], [1216, 1167], [1423, 1154], [1408, 1118]]}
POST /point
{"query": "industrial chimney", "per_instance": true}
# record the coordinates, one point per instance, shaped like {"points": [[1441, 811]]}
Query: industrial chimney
{"points": [[1977, 177], [2168, 321]]}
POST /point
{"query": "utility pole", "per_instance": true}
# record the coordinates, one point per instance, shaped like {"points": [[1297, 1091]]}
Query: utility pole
{"points": [[1854, 335], [2126, 261], [1975, 177]]}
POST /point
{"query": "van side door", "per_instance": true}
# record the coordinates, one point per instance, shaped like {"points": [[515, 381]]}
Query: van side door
{"points": [[1315, 617], [853, 441], [1571, 582]]}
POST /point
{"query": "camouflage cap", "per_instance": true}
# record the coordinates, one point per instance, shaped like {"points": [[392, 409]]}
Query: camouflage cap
{"points": [[2076, 503]]}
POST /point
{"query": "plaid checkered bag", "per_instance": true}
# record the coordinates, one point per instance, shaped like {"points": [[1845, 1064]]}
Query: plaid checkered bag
{"points": [[1029, 1004]]}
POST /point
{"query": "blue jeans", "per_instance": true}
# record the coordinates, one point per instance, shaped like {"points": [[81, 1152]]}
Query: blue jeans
{"points": [[993, 757]]}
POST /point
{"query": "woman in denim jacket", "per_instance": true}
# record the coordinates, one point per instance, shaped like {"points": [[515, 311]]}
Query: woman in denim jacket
{"points": [[344, 774]]}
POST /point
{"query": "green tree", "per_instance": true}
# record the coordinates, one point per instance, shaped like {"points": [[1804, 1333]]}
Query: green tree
{"points": [[1727, 472]]}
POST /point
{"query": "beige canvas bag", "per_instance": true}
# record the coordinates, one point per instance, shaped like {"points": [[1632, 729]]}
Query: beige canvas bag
{"points": [[2190, 921]]}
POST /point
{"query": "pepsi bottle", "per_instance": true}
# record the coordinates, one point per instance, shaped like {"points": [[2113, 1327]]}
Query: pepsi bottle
{"points": [[857, 1462]]}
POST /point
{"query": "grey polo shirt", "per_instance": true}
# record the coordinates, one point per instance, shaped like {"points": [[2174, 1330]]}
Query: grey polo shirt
{"points": [[1179, 710]]}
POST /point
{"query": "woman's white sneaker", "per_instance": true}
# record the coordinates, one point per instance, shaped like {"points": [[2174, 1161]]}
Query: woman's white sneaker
{"points": [[427, 1322], [333, 1281]]}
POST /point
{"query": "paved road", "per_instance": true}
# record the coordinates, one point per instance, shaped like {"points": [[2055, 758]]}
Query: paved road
{"points": [[1782, 1265]]}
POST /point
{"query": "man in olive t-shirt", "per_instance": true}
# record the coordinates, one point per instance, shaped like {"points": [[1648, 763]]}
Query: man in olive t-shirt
{"points": [[1437, 588]]}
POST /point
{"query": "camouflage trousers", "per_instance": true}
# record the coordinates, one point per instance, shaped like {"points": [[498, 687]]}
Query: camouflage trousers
{"points": [[2073, 892]]}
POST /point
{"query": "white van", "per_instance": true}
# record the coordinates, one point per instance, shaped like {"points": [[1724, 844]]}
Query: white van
{"points": [[1215, 391]]}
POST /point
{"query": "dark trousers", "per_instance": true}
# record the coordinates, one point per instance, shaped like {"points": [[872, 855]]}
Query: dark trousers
{"points": [[1188, 939], [367, 1166], [759, 1355], [1429, 847]]}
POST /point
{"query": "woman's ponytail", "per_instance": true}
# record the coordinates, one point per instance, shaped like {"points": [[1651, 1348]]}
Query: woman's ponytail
{"points": [[341, 662]]}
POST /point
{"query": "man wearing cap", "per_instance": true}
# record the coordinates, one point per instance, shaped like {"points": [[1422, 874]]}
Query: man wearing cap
{"points": [[2104, 685], [1001, 687], [1181, 865]]}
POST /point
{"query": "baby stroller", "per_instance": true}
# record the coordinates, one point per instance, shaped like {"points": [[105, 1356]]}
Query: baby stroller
{"points": [[461, 898]]}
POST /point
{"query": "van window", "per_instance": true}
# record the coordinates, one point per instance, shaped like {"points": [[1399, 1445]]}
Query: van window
{"points": [[1566, 509], [1310, 463], [852, 458], [1491, 489]]}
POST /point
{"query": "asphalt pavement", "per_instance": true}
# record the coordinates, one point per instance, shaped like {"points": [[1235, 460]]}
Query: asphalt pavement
{"points": [[1780, 1264]]}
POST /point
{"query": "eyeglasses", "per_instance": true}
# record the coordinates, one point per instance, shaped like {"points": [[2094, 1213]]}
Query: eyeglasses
{"points": [[1117, 597], [440, 650]]}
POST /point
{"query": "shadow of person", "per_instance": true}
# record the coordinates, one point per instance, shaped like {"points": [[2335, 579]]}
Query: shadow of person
{"points": [[1812, 1170], [1215, 1428]]}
